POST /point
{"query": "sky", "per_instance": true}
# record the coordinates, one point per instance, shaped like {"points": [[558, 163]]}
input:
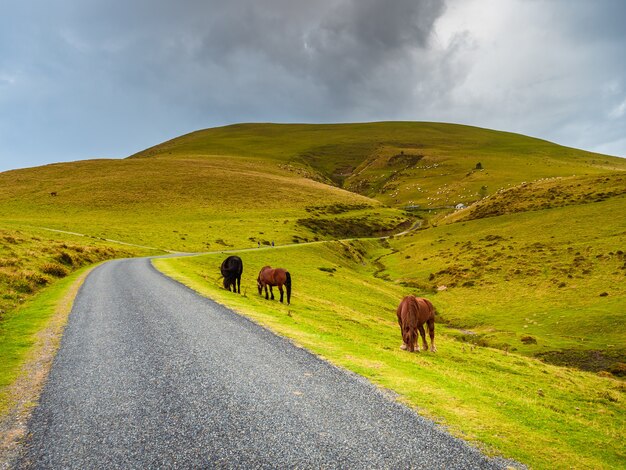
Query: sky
{"points": [[84, 79]]}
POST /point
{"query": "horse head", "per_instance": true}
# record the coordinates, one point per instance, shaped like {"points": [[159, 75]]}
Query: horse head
{"points": [[409, 337]]}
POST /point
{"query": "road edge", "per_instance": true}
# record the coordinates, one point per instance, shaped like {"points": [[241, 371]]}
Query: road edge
{"points": [[24, 393], [387, 393]]}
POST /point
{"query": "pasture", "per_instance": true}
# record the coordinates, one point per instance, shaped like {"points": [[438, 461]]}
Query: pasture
{"points": [[504, 402], [398, 163], [184, 205], [548, 282], [534, 270]]}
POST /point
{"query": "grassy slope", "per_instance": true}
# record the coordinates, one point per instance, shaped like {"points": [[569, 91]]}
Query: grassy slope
{"points": [[208, 190], [32, 259], [179, 204], [360, 157], [545, 416], [539, 274]]}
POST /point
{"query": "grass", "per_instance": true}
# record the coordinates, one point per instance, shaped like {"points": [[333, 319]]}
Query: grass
{"points": [[548, 282], [516, 406], [176, 204], [398, 163], [31, 260], [19, 332], [534, 268]]}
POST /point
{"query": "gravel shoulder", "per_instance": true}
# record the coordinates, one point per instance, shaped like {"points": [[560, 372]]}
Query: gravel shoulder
{"points": [[149, 374]]}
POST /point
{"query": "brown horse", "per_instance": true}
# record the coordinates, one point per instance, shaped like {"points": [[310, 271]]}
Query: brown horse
{"points": [[412, 313], [274, 277]]}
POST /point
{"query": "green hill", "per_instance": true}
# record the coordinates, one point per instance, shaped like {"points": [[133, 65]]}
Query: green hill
{"points": [[185, 203], [398, 163], [548, 281], [531, 272]]}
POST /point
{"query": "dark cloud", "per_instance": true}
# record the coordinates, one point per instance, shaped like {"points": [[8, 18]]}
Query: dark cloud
{"points": [[109, 77]]}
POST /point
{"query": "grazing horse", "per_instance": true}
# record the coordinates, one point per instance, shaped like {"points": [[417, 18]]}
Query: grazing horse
{"points": [[412, 313], [274, 277], [231, 269]]}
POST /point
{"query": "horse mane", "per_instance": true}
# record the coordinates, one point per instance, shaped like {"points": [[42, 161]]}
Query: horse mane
{"points": [[408, 315]]}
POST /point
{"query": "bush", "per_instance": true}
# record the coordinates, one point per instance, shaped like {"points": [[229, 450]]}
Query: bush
{"points": [[37, 278], [528, 340], [54, 269], [65, 258]]}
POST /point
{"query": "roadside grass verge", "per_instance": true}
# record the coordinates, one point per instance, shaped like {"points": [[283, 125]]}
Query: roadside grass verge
{"points": [[19, 331], [508, 404], [32, 259]]}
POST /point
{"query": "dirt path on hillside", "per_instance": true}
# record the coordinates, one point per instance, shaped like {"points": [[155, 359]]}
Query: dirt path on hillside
{"points": [[416, 226]]}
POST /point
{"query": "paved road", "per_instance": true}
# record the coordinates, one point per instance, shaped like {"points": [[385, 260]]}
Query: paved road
{"points": [[150, 375]]}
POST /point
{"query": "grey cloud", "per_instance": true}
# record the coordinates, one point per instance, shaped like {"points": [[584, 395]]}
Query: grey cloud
{"points": [[110, 77]]}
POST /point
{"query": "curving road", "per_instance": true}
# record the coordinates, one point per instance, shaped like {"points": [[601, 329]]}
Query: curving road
{"points": [[151, 375]]}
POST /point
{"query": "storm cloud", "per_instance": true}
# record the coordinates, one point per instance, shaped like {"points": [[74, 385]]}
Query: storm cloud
{"points": [[98, 78]]}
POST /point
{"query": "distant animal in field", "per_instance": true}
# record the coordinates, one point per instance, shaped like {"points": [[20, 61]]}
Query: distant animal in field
{"points": [[274, 277], [231, 269], [412, 313], [53, 193]]}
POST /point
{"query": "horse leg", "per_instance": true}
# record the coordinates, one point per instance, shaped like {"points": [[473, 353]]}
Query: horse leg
{"points": [[423, 335], [266, 295], [404, 346], [272, 292], [431, 333], [239, 284], [280, 288]]}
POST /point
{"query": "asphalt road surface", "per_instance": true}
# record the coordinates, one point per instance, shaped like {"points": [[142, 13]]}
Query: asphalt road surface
{"points": [[151, 375]]}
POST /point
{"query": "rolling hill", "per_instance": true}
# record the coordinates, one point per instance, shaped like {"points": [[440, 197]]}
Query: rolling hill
{"points": [[183, 204], [398, 163], [528, 278]]}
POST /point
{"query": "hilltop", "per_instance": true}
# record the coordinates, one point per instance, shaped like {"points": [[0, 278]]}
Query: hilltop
{"points": [[398, 163]]}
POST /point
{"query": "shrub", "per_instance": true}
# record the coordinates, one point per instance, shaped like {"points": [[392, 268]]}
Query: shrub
{"points": [[54, 269], [65, 258], [37, 278], [22, 285], [327, 270], [618, 369]]}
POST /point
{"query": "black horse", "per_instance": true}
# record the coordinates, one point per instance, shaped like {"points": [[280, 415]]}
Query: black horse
{"points": [[231, 269]]}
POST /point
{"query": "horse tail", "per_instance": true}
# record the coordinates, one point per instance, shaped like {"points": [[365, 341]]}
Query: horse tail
{"points": [[431, 327], [288, 286]]}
